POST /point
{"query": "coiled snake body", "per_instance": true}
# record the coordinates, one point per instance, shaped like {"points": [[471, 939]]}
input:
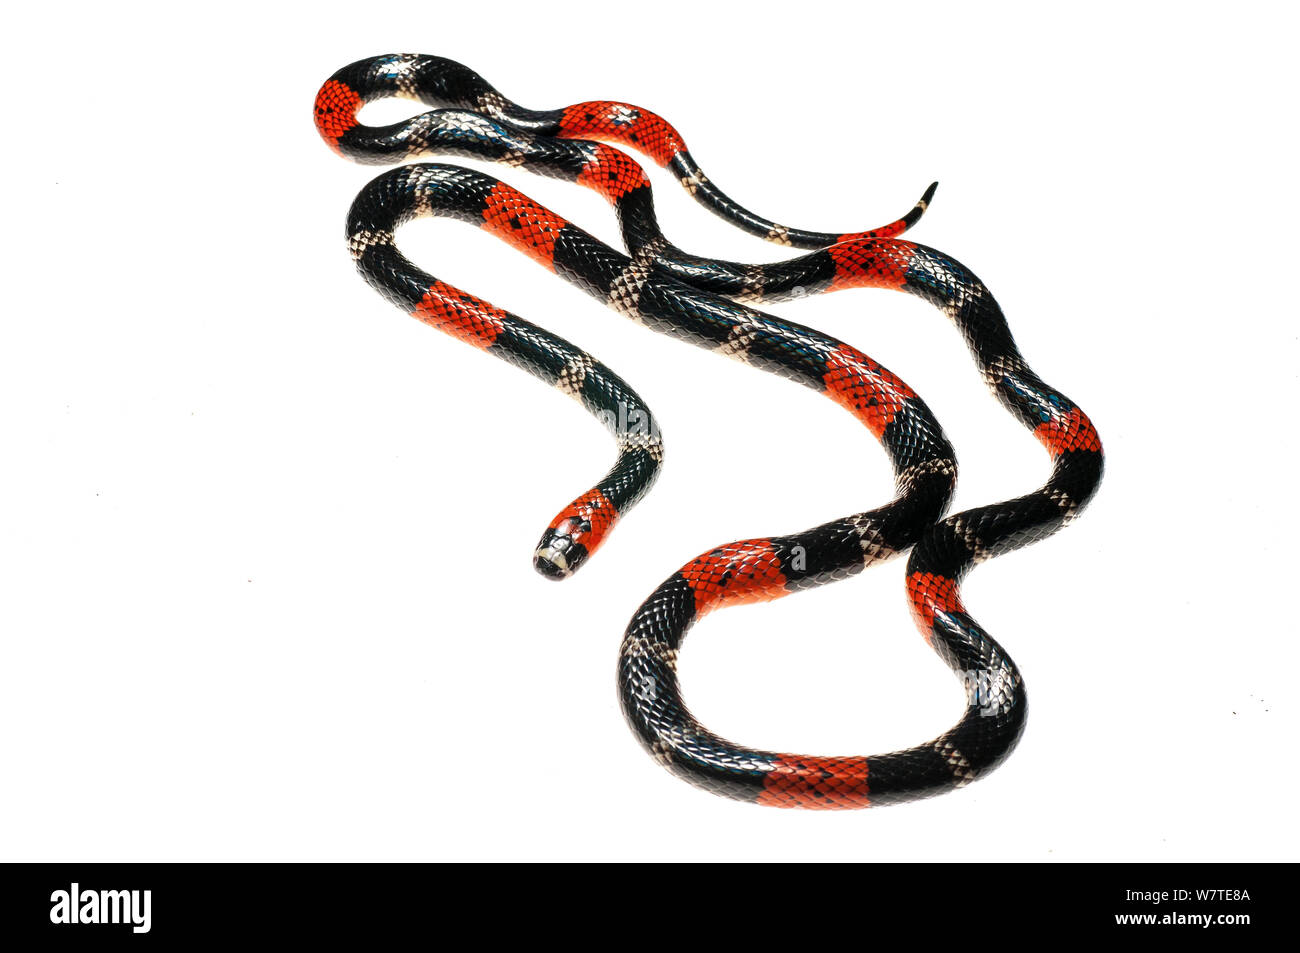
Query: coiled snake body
{"points": [[707, 302]]}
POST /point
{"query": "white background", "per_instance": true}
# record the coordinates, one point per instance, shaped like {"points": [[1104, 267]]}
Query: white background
{"points": [[265, 542]]}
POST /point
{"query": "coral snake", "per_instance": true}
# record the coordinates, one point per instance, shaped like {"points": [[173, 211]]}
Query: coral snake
{"points": [[709, 303]]}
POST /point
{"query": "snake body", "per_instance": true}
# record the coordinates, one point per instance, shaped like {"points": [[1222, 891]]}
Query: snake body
{"points": [[680, 293], [922, 456], [439, 82]]}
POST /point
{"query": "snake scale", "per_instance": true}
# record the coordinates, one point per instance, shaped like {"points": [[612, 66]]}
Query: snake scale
{"points": [[710, 303]]}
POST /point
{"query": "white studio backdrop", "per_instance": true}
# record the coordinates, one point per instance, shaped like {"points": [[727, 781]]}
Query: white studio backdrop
{"points": [[265, 542]]}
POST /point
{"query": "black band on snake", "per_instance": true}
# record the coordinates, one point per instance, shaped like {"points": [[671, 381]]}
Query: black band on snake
{"points": [[758, 569]]}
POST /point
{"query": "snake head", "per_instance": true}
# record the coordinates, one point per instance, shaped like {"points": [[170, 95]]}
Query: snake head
{"points": [[574, 535], [559, 554]]}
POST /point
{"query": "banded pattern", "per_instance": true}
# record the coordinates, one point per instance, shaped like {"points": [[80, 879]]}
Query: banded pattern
{"points": [[996, 702], [438, 82], [761, 569], [864, 261], [921, 454], [576, 532]]}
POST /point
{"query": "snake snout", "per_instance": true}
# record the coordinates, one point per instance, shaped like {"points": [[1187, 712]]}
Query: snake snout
{"points": [[559, 555]]}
